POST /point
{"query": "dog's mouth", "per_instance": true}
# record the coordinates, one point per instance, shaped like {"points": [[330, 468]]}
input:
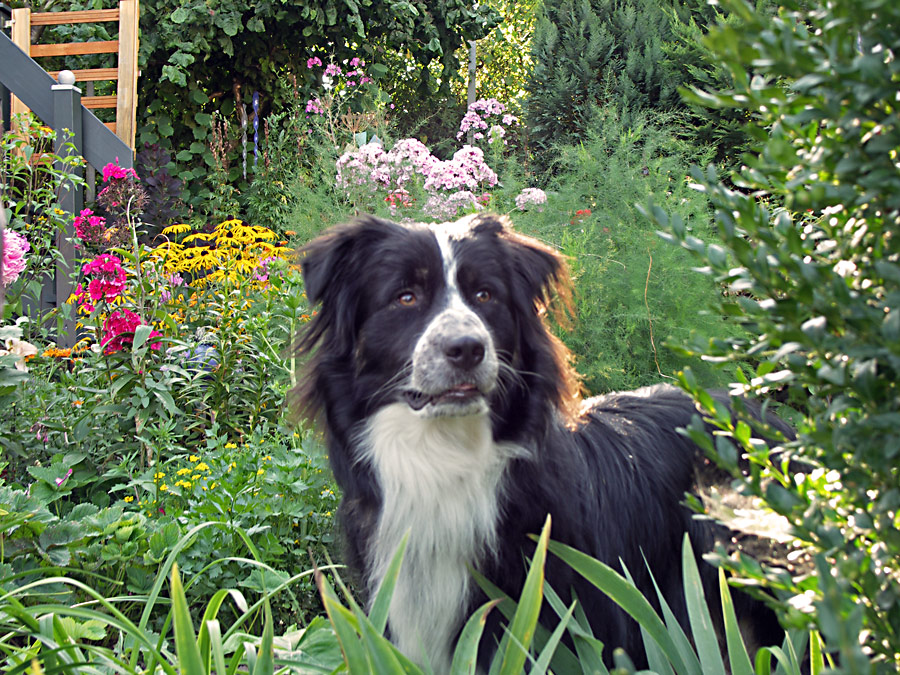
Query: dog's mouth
{"points": [[462, 393]]}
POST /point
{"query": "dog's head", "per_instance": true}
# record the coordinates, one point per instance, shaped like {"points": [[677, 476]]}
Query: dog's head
{"points": [[447, 318]]}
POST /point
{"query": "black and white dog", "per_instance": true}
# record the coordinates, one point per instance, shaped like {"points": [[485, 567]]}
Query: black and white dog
{"points": [[452, 413]]}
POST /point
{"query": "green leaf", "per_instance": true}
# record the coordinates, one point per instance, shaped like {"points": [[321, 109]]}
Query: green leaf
{"points": [[523, 625], [702, 628], [624, 594], [738, 659], [179, 16], [380, 607], [185, 641], [465, 656]]}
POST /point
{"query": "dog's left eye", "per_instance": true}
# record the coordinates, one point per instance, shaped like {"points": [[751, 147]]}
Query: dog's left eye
{"points": [[483, 295], [407, 299]]}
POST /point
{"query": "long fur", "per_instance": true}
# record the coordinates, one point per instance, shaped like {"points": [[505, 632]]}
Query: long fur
{"points": [[452, 413]]}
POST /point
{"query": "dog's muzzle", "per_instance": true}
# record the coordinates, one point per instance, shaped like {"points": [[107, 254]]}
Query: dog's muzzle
{"points": [[454, 366]]}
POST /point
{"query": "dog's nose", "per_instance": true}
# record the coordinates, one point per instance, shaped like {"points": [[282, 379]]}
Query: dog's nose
{"points": [[464, 352]]}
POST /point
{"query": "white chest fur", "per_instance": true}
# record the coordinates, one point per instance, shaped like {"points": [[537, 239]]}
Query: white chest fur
{"points": [[439, 478]]}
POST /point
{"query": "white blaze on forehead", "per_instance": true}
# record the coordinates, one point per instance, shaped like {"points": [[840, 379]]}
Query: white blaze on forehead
{"points": [[446, 234]]}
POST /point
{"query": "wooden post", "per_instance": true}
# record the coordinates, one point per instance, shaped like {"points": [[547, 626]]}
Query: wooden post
{"points": [[470, 99], [21, 36], [67, 115], [126, 88]]}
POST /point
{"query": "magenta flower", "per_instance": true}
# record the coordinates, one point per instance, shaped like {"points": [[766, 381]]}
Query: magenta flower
{"points": [[112, 170], [118, 331], [60, 481], [313, 62]]}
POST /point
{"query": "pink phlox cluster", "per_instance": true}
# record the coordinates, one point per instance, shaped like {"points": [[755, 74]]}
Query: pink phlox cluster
{"points": [[107, 281], [363, 169], [484, 114], [261, 273], [443, 206], [467, 170], [332, 70], [88, 226], [409, 157], [15, 246], [118, 331], [315, 106], [114, 171], [530, 197], [313, 62]]}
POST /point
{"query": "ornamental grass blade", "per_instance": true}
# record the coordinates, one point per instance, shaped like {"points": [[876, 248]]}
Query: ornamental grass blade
{"points": [[265, 660], [209, 615], [345, 627], [737, 652], [217, 651], [702, 627], [684, 645], [564, 661], [379, 614], [625, 595], [543, 661], [189, 659], [521, 631], [465, 656]]}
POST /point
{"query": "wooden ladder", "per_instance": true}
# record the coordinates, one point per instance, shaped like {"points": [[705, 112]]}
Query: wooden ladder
{"points": [[125, 74]]}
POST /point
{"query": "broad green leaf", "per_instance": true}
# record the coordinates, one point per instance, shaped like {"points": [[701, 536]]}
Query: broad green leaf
{"points": [[189, 659], [702, 627], [523, 625]]}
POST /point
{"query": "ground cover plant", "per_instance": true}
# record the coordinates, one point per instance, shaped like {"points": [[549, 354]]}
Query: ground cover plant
{"points": [[162, 435]]}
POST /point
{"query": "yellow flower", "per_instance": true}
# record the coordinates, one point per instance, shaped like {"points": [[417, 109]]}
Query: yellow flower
{"points": [[231, 445], [177, 228], [202, 466], [158, 475], [196, 477], [260, 472], [182, 472], [129, 498], [163, 487], [193, 458]]}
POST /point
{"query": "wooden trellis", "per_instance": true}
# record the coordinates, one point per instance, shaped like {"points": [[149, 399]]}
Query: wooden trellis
{"points": [[126, 46]]}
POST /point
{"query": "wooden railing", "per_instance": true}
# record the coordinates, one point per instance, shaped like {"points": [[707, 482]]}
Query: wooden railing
{"points": [[125, 73]]}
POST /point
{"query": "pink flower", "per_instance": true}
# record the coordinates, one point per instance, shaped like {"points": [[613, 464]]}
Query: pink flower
{"points": [[112, 170], [60, 481], [354, 62], [313, 62], [15, 246], [333, 69], [531, 197], [106, 283], [118, 331], [89, 227]]}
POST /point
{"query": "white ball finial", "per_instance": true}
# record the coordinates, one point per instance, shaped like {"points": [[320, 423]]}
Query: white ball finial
{"points": [[66, 77]]}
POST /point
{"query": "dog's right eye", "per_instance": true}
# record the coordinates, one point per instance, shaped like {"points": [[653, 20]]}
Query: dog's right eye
{"points": [[407, 299]]}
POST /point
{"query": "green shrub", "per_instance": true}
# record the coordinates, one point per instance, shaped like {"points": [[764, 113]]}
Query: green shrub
{"points": [[809, 248], [633, 293], [590, 53]]}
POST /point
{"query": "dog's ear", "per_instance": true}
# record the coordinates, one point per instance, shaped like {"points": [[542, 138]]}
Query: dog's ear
{"points": [[334, 268], [542, 271], [337, 253]]}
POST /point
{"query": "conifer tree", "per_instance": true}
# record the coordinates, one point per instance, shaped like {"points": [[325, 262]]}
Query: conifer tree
{"points": [[597, 52]]}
